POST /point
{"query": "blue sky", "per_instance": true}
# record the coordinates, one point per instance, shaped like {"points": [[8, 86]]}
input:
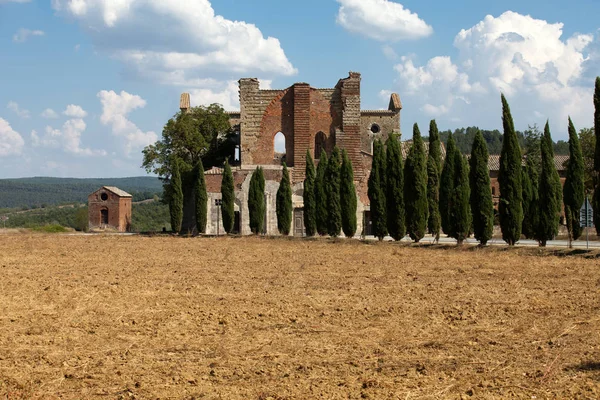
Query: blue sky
{"points": [[86, 84]]}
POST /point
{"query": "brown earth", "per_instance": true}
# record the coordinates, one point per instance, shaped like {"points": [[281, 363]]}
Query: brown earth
{"points": [[110, 317]]}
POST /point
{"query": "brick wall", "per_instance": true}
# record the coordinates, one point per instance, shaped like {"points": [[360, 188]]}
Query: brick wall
{"points": [[118, 208]]}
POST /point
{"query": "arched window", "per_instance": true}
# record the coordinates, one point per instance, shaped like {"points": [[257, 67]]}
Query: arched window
{"points": [[279, 147], [320, 143]]}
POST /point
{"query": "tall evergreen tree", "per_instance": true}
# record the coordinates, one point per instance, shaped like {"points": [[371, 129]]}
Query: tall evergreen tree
{"points": [[228, 197], [176, 197], [574, 190], [460, 211], [482, 207], [447, 184], [530, 182], [376, 193], [201, 198], [320, 196], [510, 208], [550, 192], [348, 196], [415, 188], [596, 198], [310, 212], [256, 201], [434, 167], [395, 189], [283, 203], [332, 193]]}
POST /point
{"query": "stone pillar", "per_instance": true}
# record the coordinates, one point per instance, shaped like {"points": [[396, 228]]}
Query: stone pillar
{"points": [[349, 137], [301, 129], [250, 118]]}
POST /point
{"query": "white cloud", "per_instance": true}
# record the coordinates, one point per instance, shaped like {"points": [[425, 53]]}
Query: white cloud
{"points": [[176, 41], [115, 108], [75, 111], [382, 20], [49, 113], [23, 34], [11, 142], [523, 57], [68, 138], [21, 112]]}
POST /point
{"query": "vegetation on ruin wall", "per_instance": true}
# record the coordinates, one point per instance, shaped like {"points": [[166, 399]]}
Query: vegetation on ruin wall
{"points": [[147, 217]]}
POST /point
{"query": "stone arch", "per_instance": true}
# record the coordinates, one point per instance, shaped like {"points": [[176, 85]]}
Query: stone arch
{"points": [[277, 117], [320, 144]]}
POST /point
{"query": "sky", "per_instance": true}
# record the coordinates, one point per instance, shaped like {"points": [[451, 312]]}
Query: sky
{"points": [[86, 84]]}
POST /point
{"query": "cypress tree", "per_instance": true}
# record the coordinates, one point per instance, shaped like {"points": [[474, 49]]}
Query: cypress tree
{"points": [[320, 197], [415, 188], [376, 193], [596, 198], [434, 166], [176, 197], [310, 217], [332, 193], [550, 192], [395, 189], [574, 191], [460, 212], [201, 198], [510, 208], [348, 196], [283, 206], [447, 184], [256, 201], [228, 198], [530, 183], [482, 207]]}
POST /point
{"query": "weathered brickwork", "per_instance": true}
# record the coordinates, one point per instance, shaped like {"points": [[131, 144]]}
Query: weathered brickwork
{"points": [[109, 208], [310, 119]]}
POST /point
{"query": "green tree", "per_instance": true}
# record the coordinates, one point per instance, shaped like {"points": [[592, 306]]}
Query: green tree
{"points": [[310, 212], [284, 203], [530, 181], [82, 219], [574, 189], [434, 166], [596, 198], [201, 199], [332, 193], [415, 188], [256, 201], [447, 185], [348, 196], [394, 189], [201, 135], [460, 212], [376, 191], [176, 197], [228, 197], [320, 196], [482, 207], [588, 147], [510, 208], [550, 192]]}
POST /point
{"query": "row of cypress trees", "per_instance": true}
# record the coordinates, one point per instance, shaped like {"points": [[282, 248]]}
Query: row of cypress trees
{"points": [[330, 195]]}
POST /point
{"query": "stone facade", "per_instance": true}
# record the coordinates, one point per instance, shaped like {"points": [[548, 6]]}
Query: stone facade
{"points": [[109, 208], [310, 119]]}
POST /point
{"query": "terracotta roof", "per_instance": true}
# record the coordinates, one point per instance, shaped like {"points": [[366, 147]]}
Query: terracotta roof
{"points": [[405, 147], [560, 162], [117, 191]]}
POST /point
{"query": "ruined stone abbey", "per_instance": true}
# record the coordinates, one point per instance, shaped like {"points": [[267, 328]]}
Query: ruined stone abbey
{"points": [[309, 119]]}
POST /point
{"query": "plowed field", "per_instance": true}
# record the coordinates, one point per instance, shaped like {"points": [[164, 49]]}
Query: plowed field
{"points": [[108, 317]]}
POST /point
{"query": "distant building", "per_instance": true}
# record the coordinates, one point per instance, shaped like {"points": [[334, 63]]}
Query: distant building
{"points": [[109, 208]]}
